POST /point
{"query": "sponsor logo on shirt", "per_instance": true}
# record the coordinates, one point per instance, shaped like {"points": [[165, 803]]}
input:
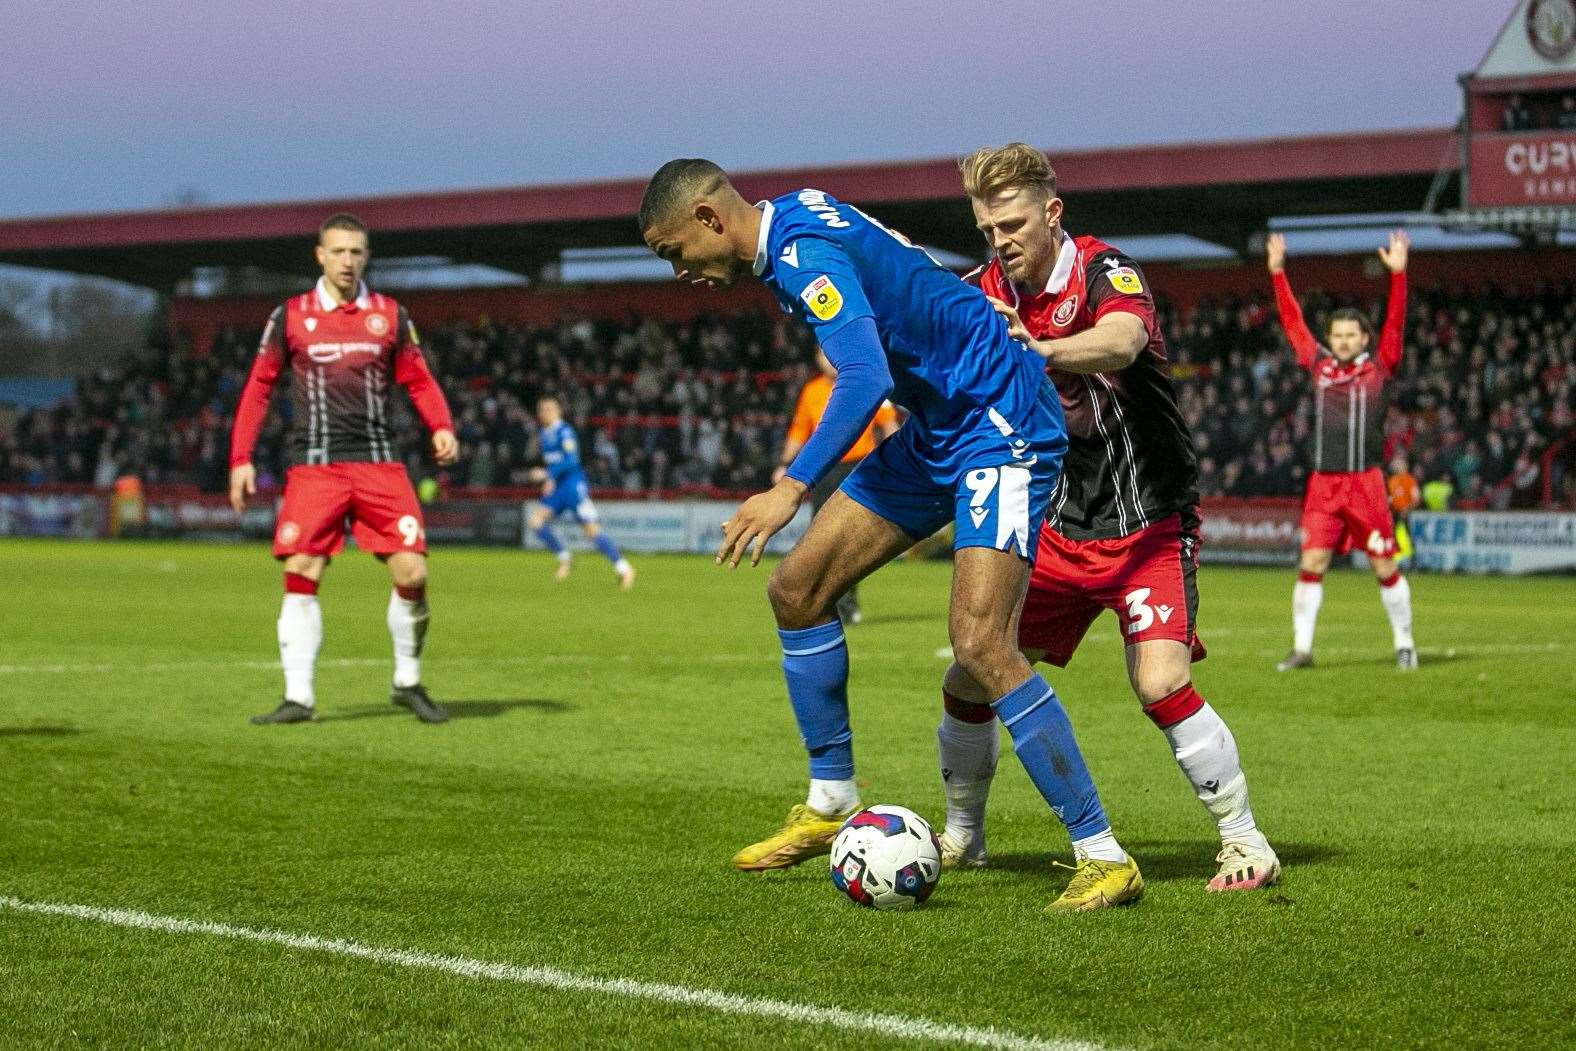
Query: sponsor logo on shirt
{"points": [[327, 353], [1125, 280], [823, 298]]}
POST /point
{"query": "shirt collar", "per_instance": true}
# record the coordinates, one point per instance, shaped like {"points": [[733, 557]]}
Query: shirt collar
{"points": [[760, 243], [1063, 270], [326, 300]]}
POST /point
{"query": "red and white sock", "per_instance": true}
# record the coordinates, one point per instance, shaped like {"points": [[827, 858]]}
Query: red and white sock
{"points": [[300, 637], [1206, 751], [1306, 598], [1396, 594], [969, 744], [407, 619]]}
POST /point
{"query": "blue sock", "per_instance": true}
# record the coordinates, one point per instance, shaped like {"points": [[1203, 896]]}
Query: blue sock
{"points": [[609, 549], [815, 663], [550, 540], [1043, 738]]}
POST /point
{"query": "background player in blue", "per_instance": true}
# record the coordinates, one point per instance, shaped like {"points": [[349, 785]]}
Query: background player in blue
{"points": [[564, 491], [982, 449]]}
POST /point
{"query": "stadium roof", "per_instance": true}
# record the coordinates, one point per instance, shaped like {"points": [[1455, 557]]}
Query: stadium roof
{"points": [[1222, 192]]}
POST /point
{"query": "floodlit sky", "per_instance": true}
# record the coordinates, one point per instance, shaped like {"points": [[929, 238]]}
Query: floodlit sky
{"points": [[113, 105]]}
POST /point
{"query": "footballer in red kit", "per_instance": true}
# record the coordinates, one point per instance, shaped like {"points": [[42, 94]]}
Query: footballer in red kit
{"points": [[343, 348], [1122, 529], [1346, 506]]}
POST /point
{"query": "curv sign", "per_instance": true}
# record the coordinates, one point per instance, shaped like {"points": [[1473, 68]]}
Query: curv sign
{"points": [[1522, 168]]}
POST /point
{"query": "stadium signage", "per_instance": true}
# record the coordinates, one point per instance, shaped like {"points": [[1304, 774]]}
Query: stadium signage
{"points": [[1525, 168], [1494, 542]]}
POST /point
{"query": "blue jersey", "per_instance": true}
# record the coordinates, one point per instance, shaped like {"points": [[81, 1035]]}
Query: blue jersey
{"points": [[963, 380], [561, 453]]}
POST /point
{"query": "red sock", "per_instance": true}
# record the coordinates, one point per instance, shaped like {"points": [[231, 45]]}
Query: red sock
{"points": [[411, 594], [1305, 577], [1174, 706], [1390, 581], [296, 584], [963, 711]]}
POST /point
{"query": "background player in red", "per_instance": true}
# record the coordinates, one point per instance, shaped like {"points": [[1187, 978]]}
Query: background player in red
{"points": [[1346, 506], [1122, 531], [342, 345]]}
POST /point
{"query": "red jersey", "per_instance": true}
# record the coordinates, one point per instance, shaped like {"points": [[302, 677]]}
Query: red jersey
{"points": [[1130, 459], [341, 357], [1349, 398]]}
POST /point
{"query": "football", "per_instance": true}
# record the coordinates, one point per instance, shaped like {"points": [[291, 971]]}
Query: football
{"points": [[886, 857]]}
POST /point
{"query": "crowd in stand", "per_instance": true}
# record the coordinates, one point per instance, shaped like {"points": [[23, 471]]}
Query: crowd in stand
{"points": [[1487, 383]]}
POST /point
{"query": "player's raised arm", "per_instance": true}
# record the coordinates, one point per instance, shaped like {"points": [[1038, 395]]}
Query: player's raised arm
{"points": [[411, 372], [1298, 335], [1392, 337], [253, 406]]}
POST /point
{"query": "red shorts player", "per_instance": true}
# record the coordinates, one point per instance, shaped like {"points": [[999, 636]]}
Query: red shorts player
{"points": [[1122, 530], [344, 347], [1346, 506]]}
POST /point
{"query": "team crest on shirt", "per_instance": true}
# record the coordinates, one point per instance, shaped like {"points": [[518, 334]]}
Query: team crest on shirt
{"points": [[1125, 280], [1065, 311], [823, 298], [311, 324], [377, 324]]}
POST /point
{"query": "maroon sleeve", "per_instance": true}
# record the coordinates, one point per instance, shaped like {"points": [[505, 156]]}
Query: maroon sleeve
{"points": [[1115, 283], [1392, 337], [253, 406], [410, 370], [1297, 333]]}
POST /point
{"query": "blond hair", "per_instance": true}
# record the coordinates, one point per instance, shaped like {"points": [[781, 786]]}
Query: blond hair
{"points": [[991, 169]]}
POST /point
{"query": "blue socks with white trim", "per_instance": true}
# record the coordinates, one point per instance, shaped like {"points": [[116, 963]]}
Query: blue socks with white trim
{"points": [[550, 539], [609, 549], [1043, 738], [815, 665]]}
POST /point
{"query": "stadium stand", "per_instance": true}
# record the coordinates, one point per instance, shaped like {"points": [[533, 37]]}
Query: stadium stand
{"points": [[1486, 400]]}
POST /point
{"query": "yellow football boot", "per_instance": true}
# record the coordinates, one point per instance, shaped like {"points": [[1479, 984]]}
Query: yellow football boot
{"points": [[806, 834], [1099, 885]]}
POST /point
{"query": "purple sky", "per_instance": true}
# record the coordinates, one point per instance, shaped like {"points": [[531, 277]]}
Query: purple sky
{"points": [[123, 105]]}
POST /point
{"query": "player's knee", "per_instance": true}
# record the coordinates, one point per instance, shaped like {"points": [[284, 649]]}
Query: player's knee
{"points": [[979, 650], [793, 599], [1156, 683], [309, 566], [961, 684]]}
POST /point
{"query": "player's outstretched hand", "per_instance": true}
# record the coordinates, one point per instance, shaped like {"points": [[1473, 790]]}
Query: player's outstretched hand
{"points": [[445, 447], [243, 483], [1394, 256], [1015, 326], [1275, 252], [757, 520]]}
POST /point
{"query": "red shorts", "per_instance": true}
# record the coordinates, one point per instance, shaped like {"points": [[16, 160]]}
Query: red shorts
{"points": [[1348, 510], [1146, 578], [376, 498]]}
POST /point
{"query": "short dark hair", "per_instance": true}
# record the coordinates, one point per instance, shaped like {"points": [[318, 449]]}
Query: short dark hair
{"points": [[342, 221], [1350, 314], [674, 184]]}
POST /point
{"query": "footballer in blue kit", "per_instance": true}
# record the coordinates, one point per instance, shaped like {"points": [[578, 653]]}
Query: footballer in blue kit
{"points": [[564, 491], [981, 450]]}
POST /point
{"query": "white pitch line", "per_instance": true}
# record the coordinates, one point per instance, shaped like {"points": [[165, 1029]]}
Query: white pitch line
{"points": [[900, 1027], [765, 658]]}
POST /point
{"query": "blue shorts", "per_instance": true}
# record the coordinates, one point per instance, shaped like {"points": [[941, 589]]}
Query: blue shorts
{"points": [[995, 497], [571, 497]]}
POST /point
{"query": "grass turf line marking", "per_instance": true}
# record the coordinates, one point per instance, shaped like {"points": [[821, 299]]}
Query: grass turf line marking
{"points": [[901, 1027]]}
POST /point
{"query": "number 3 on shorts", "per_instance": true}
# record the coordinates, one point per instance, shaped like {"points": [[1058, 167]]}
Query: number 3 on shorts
{"points": [[410, 529]]}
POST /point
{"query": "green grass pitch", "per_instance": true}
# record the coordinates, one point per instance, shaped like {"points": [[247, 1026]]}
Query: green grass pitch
{"points": [[610, 751]]}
